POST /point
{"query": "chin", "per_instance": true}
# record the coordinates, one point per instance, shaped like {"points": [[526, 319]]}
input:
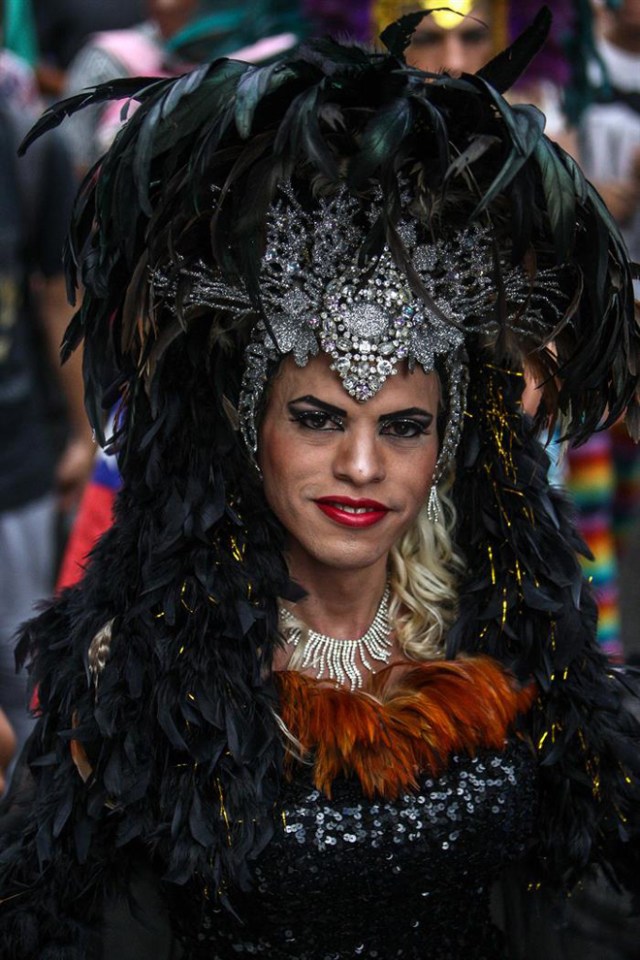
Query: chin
{"points": [[339, 556], [350, 564]]}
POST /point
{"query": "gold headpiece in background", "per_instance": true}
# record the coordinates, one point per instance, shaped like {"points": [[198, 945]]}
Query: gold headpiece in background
{"points": [[446, 14]]}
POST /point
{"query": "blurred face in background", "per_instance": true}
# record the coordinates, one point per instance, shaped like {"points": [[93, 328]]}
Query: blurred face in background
{"points": [[171, 15], [622, 26], [455, 42]]}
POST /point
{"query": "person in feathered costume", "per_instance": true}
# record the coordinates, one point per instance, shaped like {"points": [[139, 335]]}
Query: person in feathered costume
{"points": [[339, 255]]}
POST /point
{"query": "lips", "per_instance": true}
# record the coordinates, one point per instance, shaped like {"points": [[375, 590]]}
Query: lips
{"points": [[352, 513]]}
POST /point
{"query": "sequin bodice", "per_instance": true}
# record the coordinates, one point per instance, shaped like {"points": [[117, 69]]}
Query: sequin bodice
{"points": [[408, 878]]}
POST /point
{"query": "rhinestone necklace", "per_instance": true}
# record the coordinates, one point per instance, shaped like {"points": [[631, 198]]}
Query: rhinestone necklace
{"points": [[338, 659]]}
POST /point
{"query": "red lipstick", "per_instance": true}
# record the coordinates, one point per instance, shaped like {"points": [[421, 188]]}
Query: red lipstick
{"points": [[352, 513]]}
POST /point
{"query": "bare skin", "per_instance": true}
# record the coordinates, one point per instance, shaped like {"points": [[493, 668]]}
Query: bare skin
{"points": [[76, 461], [322, 455], [464, 47], [7, 747]]}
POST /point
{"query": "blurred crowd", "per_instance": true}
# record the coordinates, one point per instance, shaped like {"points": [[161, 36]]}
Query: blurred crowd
{"points": [[56, 492]]}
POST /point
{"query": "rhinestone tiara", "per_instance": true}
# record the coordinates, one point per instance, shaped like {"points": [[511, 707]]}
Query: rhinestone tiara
{"points": [[316, 295]]}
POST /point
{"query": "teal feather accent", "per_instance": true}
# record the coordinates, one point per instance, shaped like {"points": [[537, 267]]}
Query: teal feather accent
{"points": [[382, 140]]}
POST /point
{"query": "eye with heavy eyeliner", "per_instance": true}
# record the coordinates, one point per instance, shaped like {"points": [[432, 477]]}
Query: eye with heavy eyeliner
{"points": [[321, 416], [400, 425], [315, 419], [404, 428]]}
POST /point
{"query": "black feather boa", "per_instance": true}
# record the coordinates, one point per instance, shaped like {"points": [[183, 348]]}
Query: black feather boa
{"points": [[179, 729], [525, 602]]}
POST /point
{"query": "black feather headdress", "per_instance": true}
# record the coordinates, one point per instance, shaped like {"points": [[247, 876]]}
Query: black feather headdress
{"points": [[175, 723], [341, 114]]}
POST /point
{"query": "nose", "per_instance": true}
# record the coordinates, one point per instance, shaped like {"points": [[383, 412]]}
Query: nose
{"points": [[454, 55], [359, 458]]}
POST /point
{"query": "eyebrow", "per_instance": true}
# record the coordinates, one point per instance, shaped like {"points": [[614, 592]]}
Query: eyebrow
{"points": [[409, 412], [327, 407], [339, 412]]}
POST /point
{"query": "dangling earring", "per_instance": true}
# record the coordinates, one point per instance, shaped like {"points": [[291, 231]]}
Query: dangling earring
{"points": [[257, 472], [434, 507]]}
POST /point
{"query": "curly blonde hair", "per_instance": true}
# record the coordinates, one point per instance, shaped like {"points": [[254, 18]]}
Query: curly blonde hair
{"points": [[423, 575]]}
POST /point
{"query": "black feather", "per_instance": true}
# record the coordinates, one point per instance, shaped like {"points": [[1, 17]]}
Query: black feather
{"points": [[119, 89], [509, 65]]}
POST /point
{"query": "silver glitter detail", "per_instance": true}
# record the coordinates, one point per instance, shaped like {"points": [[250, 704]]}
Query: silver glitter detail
{"points": [[364, 316], [434, 508], [316, 294], [338, 659], [398, 859]]}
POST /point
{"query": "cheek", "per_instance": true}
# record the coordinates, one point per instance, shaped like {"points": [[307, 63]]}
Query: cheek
{"points": [[418, 490], [283, 467], [419, 476], [271, 455]]}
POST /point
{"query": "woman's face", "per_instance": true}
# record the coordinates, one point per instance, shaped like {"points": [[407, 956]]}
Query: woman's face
{"points": [[346, 479]]}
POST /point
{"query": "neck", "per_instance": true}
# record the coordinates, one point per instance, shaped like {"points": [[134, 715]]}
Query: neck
{"points": [[340, 603]]}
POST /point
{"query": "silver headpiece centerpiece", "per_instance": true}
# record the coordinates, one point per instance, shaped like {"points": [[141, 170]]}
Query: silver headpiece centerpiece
{"points": [[364, 317], [316, 295]]}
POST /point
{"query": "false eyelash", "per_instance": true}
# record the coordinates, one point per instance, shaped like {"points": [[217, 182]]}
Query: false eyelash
{"points": [[300, 416], [421, 429]]}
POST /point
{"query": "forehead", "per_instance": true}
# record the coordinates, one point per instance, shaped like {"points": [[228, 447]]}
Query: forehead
{"points": [[400, 391], [479, 18]]}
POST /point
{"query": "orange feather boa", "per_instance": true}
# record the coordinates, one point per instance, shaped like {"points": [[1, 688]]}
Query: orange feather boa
{"points": [[401, 726]]}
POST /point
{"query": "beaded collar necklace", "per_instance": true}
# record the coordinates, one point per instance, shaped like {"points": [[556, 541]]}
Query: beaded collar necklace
{"points": [[340, 659]]}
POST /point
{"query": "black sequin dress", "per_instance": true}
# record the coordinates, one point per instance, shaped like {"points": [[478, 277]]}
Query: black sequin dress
{"points": [[410, 878]]}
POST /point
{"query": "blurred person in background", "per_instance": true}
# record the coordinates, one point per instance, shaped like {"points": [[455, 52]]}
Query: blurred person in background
{"points": [[36, 480], [604, 474], [137, 51], [456, 37], [18, 83], [462, 36], [62, 28], [610, 126], [175, 36]]}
